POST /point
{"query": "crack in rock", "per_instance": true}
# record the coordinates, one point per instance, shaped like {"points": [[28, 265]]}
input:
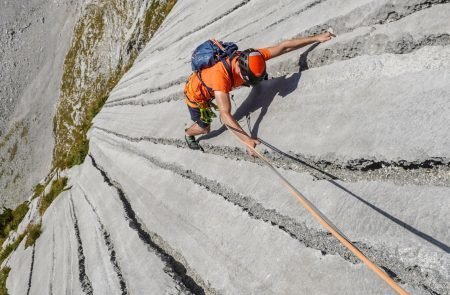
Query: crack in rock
{"points": [[408, 44], [110, 245], [167, 85], [433, 171], [173, 19], [295, 13], [362, 45], [85, 282], [225, 14], [386, 258], [53, 263], [366, 44], [179, 96], [358, 46], [31, 270], [176, 266], [391, 12], [386, 13], [228, 12], [248, 24]]}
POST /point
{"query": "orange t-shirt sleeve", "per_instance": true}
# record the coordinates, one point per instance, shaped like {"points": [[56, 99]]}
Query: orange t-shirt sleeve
{"points": [[265, 53]]}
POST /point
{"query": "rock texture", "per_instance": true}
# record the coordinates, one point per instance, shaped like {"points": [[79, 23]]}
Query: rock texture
{"points": [[107, 39], [77, 71], [34, 39], [362, 125]]}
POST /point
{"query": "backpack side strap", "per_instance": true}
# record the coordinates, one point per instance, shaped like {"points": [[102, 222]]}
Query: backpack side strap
{"points": [[199, 76]]}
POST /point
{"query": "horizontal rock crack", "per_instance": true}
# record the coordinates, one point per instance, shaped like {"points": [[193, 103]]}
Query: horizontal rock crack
{"points": [[318, 240], [389, 12], [366, 44], [178, 81], [434, 171], [225, 14]]}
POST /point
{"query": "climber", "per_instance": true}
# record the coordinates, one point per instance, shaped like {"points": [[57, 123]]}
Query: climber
{"points": [[246, 68]]}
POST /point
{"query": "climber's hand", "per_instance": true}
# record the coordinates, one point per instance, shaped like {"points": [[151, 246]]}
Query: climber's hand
{"points": [[252, 142], [324, 37]]}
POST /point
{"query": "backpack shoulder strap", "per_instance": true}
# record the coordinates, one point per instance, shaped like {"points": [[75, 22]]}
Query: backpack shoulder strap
{"points": [[228, 68], [223, 60]]}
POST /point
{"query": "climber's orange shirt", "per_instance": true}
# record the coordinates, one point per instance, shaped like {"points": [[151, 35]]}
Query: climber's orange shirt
{"points": [[215, 77]]}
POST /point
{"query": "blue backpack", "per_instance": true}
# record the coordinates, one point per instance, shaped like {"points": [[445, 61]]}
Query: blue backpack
{"points": [[211, 52]]}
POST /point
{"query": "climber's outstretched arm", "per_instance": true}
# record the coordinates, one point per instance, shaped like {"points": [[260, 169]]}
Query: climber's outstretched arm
{"points": [[294, 44], [224, 105]]}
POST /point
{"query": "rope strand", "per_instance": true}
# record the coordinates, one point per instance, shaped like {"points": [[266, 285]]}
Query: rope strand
{"points": [[324, 221]]}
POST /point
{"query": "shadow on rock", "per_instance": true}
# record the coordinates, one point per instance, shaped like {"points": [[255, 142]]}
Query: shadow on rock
{"points": [[323, 175], [262, 96]]}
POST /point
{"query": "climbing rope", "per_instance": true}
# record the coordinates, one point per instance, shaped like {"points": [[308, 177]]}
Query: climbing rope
{"points": [[323, 220]]}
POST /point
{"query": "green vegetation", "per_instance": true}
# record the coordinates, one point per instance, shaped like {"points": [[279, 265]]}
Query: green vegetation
{"points": [[10, 219], [155, 15], [7, 136], [4, 272], [11, 247], [38, 190], [34, 232], [16, 127], [25, 131], [71, 142], [13, 151], [83, 94], [56, 188]]}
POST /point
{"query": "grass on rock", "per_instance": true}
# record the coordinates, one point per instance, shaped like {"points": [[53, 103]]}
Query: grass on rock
{"points": [[56, 188]]}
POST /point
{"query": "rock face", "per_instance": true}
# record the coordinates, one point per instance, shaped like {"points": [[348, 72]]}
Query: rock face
{"points": [[107, 39], [362, 121], [77, 71], [34, 39]]}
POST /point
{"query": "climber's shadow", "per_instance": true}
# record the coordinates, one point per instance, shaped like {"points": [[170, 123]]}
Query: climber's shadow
{"points": [[394, 219], [262, 96], [320, 174]]}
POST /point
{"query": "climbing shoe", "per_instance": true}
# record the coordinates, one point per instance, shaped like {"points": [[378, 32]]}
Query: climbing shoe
{"points": [[192, 143]]}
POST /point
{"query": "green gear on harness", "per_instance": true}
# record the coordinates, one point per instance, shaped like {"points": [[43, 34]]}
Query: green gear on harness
{"points": [[216, 108], [206, 113]]}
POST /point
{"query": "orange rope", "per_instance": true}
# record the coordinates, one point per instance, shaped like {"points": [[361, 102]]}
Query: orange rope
{"points": [[323, 220]]}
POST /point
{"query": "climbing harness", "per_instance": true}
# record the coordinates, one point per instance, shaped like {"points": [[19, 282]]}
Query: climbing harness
{"points": [[206, 112], [323, 220]]}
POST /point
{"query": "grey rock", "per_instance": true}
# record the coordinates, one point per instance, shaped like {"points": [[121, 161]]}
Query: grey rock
{"points": [[362, 131]]}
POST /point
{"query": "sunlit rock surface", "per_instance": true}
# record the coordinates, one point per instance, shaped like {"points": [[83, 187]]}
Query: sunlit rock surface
{"points": [[34, 39], [363, 118]]}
